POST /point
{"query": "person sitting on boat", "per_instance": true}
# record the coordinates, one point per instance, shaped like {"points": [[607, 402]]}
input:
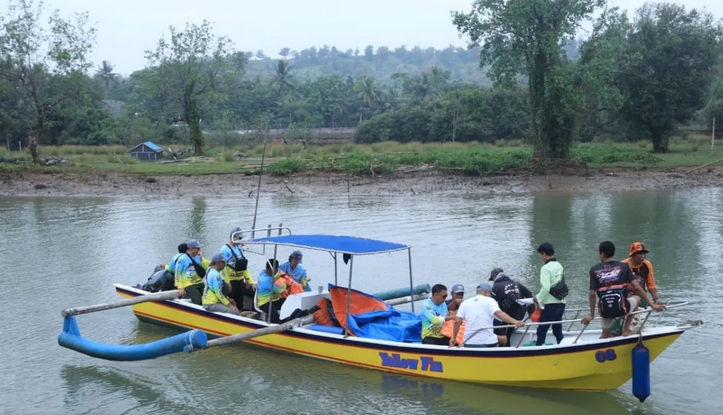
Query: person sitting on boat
{"points": [[548, 299], [236, 274], [296, 271], [456, 298], [610, 281], [506, 292], [434, 314], [171, 266], [215, 290], [270, 287], [642, 270], [478, 314], [190, 271]]}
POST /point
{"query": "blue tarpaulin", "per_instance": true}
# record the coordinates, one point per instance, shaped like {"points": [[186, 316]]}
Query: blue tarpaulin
{"points": [[371, 318], [343, 244]]}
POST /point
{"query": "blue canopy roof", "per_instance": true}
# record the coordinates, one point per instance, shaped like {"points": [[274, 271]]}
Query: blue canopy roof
{"points": [[333, 243], [153, 146]]}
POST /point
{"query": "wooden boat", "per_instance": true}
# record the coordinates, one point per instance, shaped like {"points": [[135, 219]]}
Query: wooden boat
{"points": [[582, 361]]}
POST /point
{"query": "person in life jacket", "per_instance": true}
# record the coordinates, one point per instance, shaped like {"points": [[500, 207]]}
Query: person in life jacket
{"points": [[610, 281], [642, 270], [506, 292], [214, 294], [190, 271], [294, 269], [269, 291], [236, 273]]}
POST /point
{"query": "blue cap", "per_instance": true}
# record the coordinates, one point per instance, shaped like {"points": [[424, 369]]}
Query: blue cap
{"points": [[234, 230], [296, 255], [193, 243], [457, 288], [484, 286], [218, 258]]}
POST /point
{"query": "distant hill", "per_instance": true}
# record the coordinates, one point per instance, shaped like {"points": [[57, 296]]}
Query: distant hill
{"points": [[380, 63]]}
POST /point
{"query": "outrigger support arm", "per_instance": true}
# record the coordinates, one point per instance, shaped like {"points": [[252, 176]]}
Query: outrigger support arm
{"points": [[162, 296]]}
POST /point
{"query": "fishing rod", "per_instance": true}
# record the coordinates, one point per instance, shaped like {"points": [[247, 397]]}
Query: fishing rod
{"points": [[258, 188]]}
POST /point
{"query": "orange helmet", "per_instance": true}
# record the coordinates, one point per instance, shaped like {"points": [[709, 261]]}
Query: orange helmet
{"points": [[637, 247]]}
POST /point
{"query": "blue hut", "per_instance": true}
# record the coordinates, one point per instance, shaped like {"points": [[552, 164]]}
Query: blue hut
{"points": [[147, 151]]}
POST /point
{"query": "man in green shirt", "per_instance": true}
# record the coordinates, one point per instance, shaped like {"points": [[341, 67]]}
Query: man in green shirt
{"points": [[552, 308]]}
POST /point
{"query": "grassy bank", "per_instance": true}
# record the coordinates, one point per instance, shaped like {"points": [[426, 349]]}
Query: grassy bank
{"points": [[370, 159]]}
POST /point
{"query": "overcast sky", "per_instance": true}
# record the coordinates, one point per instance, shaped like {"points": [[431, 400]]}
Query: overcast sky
{"points": [[126, 28]]}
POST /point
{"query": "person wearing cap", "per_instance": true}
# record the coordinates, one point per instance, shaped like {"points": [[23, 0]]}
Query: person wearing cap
{"points": [[215, 298], [456, 299], [553, 308], [236, 274], [642, 270], [190, 271], [270, 287], [434, 314], [479, 313], [295, 270], [506, 292]]}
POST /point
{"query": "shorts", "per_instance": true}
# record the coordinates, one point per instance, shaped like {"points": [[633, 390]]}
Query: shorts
{"points": [[633, 302]]}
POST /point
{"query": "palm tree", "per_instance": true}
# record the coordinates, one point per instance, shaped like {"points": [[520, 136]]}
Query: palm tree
{"points": [[283, 79], [105, 75], [369, 91]]}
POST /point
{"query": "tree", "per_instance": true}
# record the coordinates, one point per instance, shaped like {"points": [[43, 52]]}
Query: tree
{"points": [[669, 68], [525, 37], [285, 52], [104, 74], [283, 80], [44, 63], [188, 67], [368, 91]]}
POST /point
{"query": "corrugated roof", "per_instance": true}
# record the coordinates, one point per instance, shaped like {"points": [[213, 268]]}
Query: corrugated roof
{"points": [[153, 146]]}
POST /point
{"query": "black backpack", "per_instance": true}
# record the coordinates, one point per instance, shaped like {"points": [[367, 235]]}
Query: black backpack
{"points": [[613, 302], [240, 264], [559, 290]]}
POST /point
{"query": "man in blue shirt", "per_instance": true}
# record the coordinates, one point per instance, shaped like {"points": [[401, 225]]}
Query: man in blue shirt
{"points": [[296, 271], [270, 288], [190, 272], [171, 267], [214, 294], [434, 314]]}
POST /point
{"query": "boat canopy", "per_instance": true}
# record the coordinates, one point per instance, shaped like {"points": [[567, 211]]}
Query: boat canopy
{"points": [[332, 243]]}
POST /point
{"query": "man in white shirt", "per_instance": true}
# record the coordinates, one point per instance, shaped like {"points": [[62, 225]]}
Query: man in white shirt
{"points": [[479, 313]]}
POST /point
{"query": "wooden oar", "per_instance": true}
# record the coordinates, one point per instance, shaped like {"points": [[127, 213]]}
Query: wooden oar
{"points": [[162, 296]]}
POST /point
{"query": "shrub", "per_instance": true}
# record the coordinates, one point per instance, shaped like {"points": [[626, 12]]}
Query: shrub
{"points": [[286, 167]]}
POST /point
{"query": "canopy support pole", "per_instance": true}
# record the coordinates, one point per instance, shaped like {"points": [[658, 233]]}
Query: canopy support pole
{"points": [[273, 284], [336, 273], [411, 280], [348, 297]]}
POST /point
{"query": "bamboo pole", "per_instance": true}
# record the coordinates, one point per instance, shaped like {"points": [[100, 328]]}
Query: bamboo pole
{"points": [[162, 296], [256, 333], [705, 165]]}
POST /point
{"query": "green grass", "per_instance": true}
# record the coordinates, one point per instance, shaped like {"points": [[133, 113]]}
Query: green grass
{"points": [[371, 159]]}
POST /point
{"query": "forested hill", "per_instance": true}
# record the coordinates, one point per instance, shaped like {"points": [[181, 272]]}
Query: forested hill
{"points": [[380, 63]]}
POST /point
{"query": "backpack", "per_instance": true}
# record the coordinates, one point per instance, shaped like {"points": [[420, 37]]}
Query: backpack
{"points": [[613, 301], [509, 298]]}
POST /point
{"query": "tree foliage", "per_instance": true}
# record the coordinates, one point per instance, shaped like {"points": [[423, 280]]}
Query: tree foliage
{"points": [[669, 66], [43, 62]]}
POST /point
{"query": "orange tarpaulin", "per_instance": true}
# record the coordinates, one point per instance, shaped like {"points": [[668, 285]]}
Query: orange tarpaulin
{"points": [[360, 304]]}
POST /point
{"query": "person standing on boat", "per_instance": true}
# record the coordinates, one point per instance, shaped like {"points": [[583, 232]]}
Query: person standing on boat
{"points": [[642, 270], [434, 314], [270, 288], [236, 274], [610, 281], [478, 314], [190, 272], [506, 292], [549, 299], [295, 270], [215, 298]]}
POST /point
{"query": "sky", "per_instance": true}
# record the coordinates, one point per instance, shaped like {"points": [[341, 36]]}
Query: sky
{"points": [[127, 28]]}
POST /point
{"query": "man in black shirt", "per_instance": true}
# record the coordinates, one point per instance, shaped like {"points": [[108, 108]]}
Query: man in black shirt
{"points": [[506, 292], [610, 280]]}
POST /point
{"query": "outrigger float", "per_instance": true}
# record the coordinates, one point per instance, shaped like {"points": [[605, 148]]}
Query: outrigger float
{"points": [[582, 361]]}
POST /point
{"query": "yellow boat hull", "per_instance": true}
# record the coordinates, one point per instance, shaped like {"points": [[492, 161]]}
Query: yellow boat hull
{"points": [[588, 365]]}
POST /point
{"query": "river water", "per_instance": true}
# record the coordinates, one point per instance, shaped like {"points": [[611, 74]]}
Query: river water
{"points": [[67, 252]]}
